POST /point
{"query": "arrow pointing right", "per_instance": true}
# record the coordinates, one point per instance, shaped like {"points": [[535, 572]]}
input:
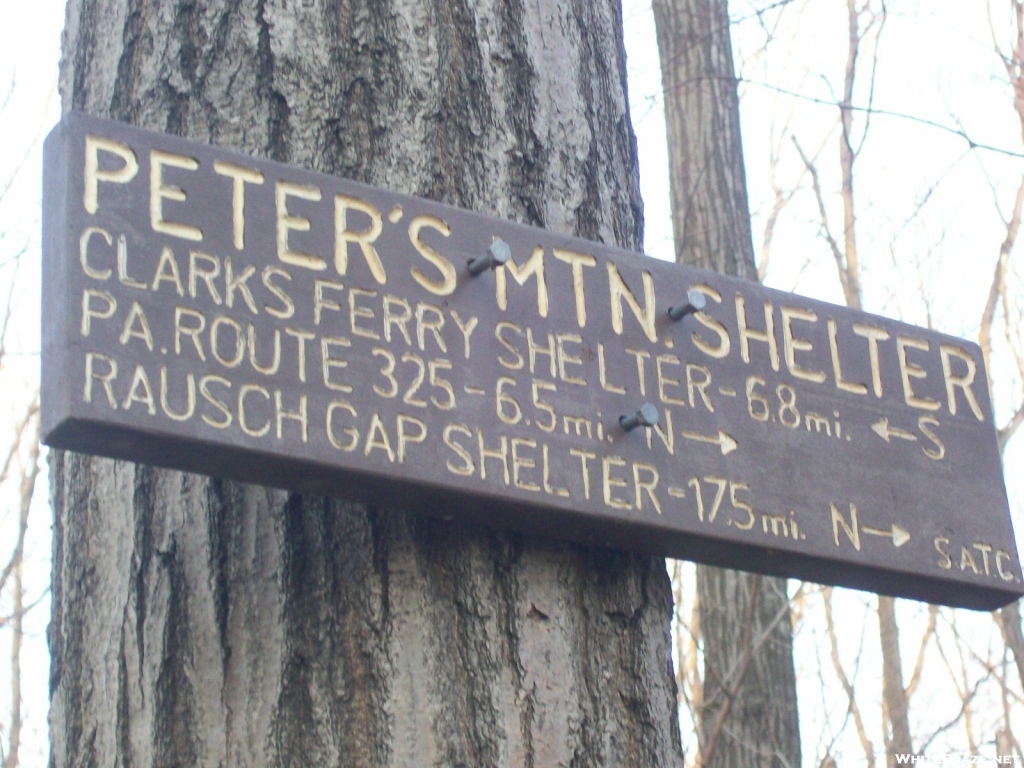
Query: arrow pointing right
{"points": [[726, 442], [898, 534]]}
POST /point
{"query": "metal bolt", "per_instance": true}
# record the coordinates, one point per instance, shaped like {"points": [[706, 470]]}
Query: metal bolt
{"points": [[696, 301], [497, 254], [646, 416]]}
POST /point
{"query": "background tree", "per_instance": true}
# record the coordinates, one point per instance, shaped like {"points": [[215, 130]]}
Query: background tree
{"points": [[748, 711], [197, 621]]}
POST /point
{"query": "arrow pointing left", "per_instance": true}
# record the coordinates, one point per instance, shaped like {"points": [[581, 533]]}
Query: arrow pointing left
{"points": [[884, 431]]}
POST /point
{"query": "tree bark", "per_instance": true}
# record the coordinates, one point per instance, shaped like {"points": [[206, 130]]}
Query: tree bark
{"points": [[893, 693], [1009, 621], [710, 211], [749, 717], [203, 622]]}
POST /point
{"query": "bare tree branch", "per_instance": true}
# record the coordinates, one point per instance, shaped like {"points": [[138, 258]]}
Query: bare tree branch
{"points": [[853, 708], [915, 677], [734, 679], [27, 490], [21, 435], [826, 229], [1008, 619]]}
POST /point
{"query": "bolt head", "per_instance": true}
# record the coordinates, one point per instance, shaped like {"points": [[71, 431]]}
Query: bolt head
{"points": [[647, 415], [500, 251], [697, 300]]}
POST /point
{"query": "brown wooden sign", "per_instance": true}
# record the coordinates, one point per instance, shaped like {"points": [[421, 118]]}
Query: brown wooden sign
{"points": [[218, 313]]}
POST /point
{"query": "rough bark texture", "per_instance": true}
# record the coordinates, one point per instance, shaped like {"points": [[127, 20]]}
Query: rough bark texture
{"points": [[893, 693], [203, 622], [749, 717], [710, 211]]}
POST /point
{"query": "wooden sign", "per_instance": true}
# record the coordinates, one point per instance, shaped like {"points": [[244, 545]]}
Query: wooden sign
{"points": [[222, 314]]}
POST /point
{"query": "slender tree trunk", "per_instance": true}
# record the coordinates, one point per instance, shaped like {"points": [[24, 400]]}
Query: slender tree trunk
{"points": [[1009, 622], [710, 211], [749, 717], [203, 622], [10, 760], [893, 693]]}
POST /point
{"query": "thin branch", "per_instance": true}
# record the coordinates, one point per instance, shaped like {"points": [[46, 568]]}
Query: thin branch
{"points": [[989, 312], [875, 111], [1008, 430], [826, 229], [1008, 619], [27, 491], [852, 708], [782, 199], [880, 19], [20, 434], [707, 754], [39, 136], [915, 678], [739, 672]]}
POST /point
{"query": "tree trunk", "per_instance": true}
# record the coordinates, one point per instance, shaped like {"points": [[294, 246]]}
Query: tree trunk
{"points": [[749, 717], [893, 693], [1009, 621], [203, 622], [710, 211]]}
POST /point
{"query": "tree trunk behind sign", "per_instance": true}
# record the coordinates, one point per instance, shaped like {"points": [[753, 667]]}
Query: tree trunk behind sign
{"points": [[749, 718], [203, 622]]}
